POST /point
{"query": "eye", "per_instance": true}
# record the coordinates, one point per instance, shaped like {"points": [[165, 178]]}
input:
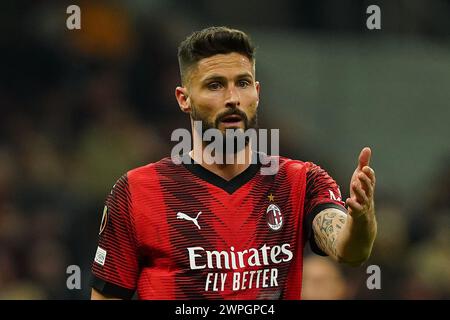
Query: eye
{"points": [[243, 83], [214, 85]]}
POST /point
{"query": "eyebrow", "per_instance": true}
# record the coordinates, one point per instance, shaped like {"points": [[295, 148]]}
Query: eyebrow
{"points": [[219, 77]]}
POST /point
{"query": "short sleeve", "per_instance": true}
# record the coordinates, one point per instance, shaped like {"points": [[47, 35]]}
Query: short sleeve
{"points": [[321, 192], [115, 266]]}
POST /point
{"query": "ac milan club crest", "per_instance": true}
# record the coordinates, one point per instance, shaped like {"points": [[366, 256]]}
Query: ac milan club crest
{"points": [[274, 217]]}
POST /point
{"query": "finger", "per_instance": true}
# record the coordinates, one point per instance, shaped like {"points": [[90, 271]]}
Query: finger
{"points": [[354, 205], [369, 172], [364, 157], [360, 194], [366, 184]]}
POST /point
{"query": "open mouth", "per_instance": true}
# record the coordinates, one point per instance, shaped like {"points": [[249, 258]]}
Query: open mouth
{"points": [[231, 119]]}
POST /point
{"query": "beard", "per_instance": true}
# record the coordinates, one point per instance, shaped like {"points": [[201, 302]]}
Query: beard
{"points": [[229, 135]]}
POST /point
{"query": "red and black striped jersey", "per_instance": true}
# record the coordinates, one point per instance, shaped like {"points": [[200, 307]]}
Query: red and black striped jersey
{"points": [[178, 231]]}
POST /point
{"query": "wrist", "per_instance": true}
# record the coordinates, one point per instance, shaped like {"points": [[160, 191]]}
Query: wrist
{"points": [[365, 217]]}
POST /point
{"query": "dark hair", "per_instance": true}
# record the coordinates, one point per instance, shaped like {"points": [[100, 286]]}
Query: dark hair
{"points": [[211, 41]]}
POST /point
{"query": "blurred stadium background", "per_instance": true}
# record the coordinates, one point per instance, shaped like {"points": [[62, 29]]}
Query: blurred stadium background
{"points": [[79, 108]]}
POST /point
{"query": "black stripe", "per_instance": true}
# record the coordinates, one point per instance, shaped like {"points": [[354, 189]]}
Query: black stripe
{"points": [[307, 224], [111, 289], [229, 186]]}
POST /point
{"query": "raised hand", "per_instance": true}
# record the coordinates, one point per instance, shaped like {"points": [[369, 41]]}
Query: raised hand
{"points": [[362, 187]]}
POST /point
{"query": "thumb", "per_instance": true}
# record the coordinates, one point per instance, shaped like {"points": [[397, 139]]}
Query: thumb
{"points": [[364, 158]]}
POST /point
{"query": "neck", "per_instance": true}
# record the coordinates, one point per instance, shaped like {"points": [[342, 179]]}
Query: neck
{"points": [[228, 169]]}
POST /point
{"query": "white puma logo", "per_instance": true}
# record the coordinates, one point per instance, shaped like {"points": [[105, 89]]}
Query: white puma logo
{"points": [[181, 215]]}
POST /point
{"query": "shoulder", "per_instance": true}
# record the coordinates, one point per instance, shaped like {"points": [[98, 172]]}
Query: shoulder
{"points": [[295, 165], [151, 171], [290, 165], [294, 168], [284, 167]]}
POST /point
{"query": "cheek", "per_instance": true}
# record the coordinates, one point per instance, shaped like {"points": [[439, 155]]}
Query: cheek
{"points": [[207, 107], [251, 101]]}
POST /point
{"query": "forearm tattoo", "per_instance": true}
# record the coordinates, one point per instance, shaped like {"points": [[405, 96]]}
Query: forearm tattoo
{"points": [[327, 226]]}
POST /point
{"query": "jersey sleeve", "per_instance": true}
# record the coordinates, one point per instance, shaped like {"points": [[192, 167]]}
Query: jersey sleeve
{"points": [[115, 265], [321, 192]]}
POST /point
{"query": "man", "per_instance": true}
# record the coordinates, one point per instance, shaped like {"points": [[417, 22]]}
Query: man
{"points": [[208, 230]]}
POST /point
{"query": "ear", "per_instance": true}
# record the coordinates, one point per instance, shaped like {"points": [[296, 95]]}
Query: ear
{"points": [[182, 96], [257, 86]]}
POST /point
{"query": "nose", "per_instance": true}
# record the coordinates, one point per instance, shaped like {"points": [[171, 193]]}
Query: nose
{"points": [[233, 97]]}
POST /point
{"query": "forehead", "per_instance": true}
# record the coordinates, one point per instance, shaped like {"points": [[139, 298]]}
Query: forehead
{"points": [[222, 64]]}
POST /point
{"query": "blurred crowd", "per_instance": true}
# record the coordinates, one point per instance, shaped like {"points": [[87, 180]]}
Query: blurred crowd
{"points": [[81, 108]]}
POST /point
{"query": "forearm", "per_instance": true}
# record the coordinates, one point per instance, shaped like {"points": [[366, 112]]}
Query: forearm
{"points": [[344, 238], [355, 240], [349, 238]]}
